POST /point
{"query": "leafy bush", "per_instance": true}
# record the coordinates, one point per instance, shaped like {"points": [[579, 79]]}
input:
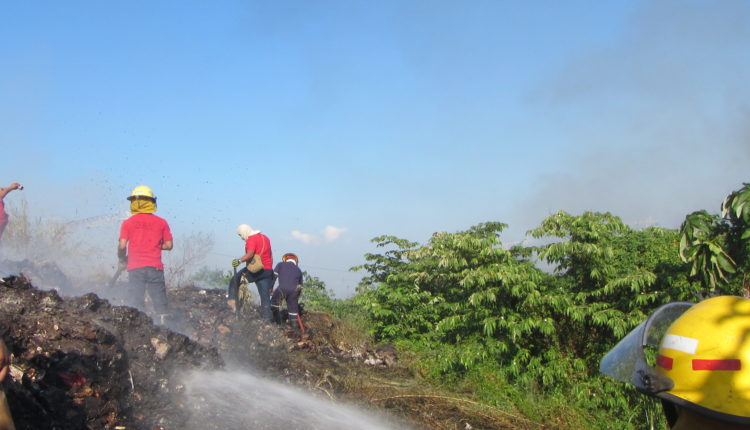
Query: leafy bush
{"points": [[470, 306]]}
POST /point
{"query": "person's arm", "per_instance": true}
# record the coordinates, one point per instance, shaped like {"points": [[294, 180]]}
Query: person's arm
{"points": [[166, 238], [122, 253], [4, 360], [249, 254], [4, 191]]}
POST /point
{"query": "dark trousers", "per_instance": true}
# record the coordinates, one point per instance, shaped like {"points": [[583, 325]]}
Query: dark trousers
{"points": [[148, 279], [291, 295], [263, 280]]}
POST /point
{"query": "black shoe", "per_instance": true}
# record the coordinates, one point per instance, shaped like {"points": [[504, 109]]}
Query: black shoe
{"points": [[295, 326], [275, 316]]}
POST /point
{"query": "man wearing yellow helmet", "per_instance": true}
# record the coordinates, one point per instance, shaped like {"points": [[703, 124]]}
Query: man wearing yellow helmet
{"points": [[143, 236], [701, 369]]}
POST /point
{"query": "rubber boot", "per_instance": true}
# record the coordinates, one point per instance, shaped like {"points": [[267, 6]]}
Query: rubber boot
{"points": [[275, 314], [294, 325]]}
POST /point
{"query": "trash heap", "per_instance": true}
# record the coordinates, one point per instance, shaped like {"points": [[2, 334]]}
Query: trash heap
{"points": [[81, 363], [84, 362]]}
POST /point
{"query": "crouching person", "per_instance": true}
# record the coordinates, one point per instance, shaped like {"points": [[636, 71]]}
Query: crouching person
{"points": [[289, 276]]}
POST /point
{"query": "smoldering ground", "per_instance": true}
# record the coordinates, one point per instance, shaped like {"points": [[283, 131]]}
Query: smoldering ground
{"points": [[80, 362]]}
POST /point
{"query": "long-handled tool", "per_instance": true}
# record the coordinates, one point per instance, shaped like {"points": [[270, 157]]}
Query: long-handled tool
{"points": [[114, 278], [301, 326], [237, 301]]}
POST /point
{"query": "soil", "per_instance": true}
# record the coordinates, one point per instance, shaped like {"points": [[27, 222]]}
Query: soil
{"points": [[82, 363]]}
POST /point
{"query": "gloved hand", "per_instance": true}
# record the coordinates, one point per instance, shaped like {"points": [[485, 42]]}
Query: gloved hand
{"points": [[235, 262]]}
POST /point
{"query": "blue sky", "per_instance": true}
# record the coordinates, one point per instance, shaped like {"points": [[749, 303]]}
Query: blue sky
{"points": [[327, 123]]}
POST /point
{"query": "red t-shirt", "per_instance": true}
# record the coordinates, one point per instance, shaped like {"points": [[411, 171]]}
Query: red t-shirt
{"points": [[261, 244], [145, 234]]}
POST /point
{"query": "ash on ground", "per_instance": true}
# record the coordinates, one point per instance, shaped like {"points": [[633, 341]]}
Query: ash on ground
{"points": [[82, 363]]}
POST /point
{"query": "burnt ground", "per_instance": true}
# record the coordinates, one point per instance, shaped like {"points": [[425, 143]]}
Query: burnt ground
{"points": [[82, 363]]}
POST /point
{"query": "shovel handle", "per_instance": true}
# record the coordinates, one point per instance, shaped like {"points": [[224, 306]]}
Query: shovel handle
{"points": [[114, 278]]}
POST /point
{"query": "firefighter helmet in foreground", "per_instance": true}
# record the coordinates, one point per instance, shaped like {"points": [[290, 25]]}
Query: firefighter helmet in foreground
{"points": [[702, 362]]}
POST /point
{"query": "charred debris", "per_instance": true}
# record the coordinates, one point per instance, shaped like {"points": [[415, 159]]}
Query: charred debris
{"points": [[83, 363]]}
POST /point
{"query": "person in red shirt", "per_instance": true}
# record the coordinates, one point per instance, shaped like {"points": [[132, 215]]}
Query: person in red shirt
{"points": [[6, 419], [255, 243], [4, 216], [143, 237]]}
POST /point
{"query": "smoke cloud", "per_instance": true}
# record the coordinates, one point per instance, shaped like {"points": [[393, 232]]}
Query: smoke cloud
{"points": [[661, 115]]}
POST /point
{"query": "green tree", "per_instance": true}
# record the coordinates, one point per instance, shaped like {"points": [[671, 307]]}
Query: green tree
{"points": [[610, 277], [315, 294], [463, 297], [717, 247], [475, 309]]}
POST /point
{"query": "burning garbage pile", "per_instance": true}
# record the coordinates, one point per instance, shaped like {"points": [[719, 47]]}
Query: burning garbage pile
{"points": [[81, 363]]}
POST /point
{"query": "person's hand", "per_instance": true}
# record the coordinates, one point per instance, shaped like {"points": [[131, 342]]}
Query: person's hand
{"points": [[4, 360], [299, 288], [122, 264], [232, 305], [15, 186], [235, 262]]}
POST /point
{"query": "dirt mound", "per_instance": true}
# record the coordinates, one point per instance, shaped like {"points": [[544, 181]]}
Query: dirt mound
{"points": [[81, 363]]}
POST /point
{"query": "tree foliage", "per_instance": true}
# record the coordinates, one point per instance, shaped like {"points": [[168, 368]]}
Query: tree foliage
{"points": [[470, 304], [717, 247], [315, 295]]}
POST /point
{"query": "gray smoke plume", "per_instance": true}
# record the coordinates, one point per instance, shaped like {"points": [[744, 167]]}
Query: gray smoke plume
{"points": [[659, 119]]}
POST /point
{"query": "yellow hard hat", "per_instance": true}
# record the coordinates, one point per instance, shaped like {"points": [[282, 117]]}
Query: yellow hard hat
{"points": [[703, 357], [706, 352], [141, 192]]}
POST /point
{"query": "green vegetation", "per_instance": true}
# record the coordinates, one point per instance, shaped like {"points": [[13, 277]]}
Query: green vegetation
{"points": [[519, 328], [486, 320], [718, 246]]}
